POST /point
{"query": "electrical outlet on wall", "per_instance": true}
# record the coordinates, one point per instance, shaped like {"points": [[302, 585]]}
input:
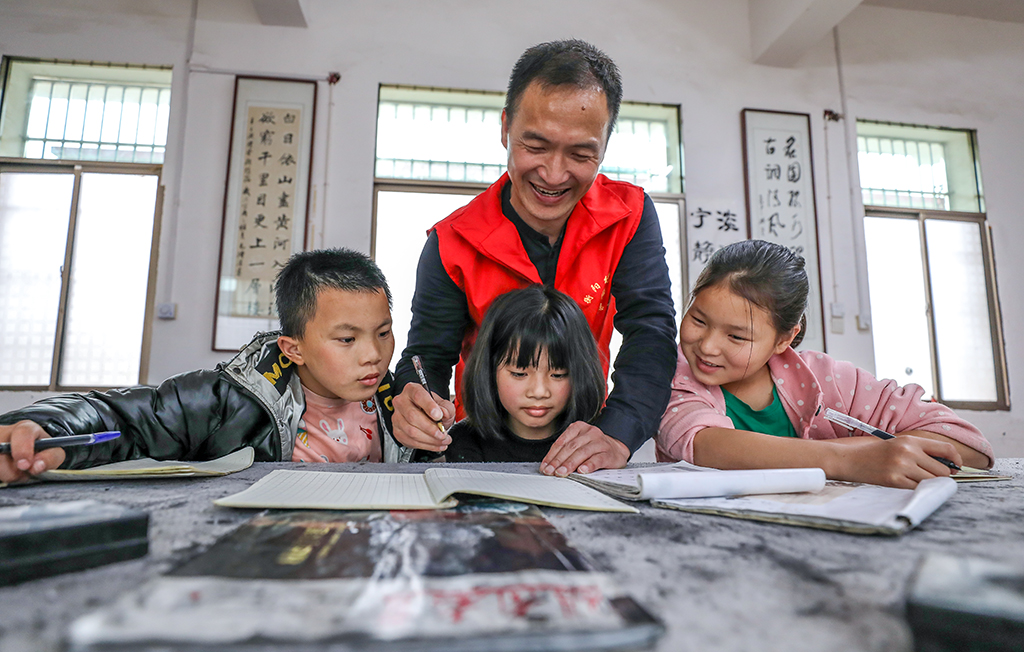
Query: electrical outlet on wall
{"points": [[166, 310], [838, 312]]}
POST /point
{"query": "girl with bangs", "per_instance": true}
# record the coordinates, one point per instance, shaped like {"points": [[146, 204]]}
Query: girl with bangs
{"points": [[533, 371]]}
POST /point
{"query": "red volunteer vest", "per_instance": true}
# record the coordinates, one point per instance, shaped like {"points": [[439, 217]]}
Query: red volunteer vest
{"points": [[482, 253]]}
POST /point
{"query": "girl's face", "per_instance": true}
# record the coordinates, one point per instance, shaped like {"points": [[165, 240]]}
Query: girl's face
{"points": [[727, 340], [533, 397]]}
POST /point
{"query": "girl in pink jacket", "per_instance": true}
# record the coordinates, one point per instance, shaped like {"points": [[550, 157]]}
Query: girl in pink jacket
{"points": [[742, 398]]}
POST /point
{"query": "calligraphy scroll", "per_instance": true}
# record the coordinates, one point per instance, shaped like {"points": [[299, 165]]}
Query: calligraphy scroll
{"points": [[780, 197], [710, 225], [265, 203]]}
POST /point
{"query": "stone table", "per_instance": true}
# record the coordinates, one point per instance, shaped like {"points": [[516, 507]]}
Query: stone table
{"points": [[717, 583]]}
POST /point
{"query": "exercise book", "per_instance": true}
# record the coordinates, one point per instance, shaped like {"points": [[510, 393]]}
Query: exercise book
{"points": [[433, 489], [842, 506], [150, 468]]}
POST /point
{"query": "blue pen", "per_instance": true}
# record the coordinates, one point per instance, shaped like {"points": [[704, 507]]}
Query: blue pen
{"points": [[61, 442]]}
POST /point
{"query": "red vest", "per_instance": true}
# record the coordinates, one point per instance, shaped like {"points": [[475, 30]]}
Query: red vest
{"points": [[482, 253]]}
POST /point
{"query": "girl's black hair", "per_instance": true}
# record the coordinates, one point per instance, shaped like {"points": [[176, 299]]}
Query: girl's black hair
{"points": [[519, 326], [767, 275]]}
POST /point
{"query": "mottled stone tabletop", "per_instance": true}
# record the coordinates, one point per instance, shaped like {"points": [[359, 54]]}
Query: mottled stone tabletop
{"points": [[717, 583]]}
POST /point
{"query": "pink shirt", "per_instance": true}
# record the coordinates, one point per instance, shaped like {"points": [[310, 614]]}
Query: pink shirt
{"points": [[336, 430], [807, 381]]}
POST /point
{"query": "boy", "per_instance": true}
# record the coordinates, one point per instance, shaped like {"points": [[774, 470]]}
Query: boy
{"points": [[317, 390]]}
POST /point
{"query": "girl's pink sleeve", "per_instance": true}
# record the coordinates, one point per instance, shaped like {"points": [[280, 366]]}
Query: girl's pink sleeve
{"points": [[691, 408], [886, 405]]}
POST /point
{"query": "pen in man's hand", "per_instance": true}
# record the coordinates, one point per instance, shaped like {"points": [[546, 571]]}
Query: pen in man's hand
{"points": [[856, 424], [423, 381], [63, 442]]}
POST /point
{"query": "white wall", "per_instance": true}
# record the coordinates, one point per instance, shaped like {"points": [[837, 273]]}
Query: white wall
{"points": [[902, 66]]}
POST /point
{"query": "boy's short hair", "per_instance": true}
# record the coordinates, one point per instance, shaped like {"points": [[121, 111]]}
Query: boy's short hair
{"points": [[300, 281]]}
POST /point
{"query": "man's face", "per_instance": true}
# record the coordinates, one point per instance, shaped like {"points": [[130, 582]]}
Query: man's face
{"points": [[555, 142], [347, 346]]}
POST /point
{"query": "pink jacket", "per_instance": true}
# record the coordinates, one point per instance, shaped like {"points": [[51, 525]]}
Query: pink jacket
{"points": [[807, 381]]}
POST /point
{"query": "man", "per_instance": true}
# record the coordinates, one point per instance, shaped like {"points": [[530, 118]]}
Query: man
{"points": [[552, 219]]}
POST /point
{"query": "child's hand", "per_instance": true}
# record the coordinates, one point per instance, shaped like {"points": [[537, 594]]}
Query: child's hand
{"points": [[416, 416], [23, 462], [901, 462], [584, 448]]}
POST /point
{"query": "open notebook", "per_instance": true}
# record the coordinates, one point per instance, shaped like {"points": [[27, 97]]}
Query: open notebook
{"points": [[684, 480], [149, 468], [433, 489]]}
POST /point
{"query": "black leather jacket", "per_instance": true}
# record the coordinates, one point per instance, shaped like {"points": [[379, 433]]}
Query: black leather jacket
{"points": [[255, 399]]}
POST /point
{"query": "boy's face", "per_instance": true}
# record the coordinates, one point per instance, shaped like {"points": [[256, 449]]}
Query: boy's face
{"points": [[347, 346]]}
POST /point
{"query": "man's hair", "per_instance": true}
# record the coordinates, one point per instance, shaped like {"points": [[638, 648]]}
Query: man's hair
{"points": [[300, 282], [520, 326], [566, 63]]}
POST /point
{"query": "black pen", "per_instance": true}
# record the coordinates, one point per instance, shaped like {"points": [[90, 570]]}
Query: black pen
{"points": [[423, 381], [852, 423], [62, 442]]}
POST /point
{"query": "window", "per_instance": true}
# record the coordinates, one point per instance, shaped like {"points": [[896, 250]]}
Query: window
{"points": [[78, 219], [85, 112], [938, 324], [437, 149]]}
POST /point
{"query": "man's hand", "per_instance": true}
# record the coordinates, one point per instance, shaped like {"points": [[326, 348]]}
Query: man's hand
{"points": [[584, 448], [23, 462], [416, 416]]}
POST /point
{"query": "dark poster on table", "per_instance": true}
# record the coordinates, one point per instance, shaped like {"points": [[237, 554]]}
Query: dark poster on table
{"points": [[486, 575]]}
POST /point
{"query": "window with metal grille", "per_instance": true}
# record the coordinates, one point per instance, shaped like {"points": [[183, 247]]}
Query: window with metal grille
{"points": [[905, 166], [85, 112], [931, 272], [77, 235], [446, 135]]}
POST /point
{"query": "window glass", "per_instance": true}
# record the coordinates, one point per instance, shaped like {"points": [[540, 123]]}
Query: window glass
{"points": [[34, 214], [899, 308], [109, 281], [963, 330]]}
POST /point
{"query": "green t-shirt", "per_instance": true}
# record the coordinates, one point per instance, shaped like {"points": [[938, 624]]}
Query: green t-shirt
{"points": [[770, 421]]}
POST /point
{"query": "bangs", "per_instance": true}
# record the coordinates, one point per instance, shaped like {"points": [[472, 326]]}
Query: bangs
{"points": [[525, 348]]}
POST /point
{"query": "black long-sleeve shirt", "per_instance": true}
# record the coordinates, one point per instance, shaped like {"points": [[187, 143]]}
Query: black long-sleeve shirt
{"points": [[644, 316]]}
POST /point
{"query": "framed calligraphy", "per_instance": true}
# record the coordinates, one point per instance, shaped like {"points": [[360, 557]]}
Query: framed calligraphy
{"points": [[265, 202], [710, 225], [781, 208]]}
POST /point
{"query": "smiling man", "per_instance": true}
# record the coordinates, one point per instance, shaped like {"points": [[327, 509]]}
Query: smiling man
{"points": [[551, 219]]}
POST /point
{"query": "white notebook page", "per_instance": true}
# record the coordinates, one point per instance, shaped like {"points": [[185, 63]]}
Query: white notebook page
{"points": [[287, 489], [533, 488]]}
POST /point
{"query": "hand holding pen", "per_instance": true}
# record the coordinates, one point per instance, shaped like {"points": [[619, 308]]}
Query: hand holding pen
{"points": [[851, 423], [27, 450], [418, 365]]}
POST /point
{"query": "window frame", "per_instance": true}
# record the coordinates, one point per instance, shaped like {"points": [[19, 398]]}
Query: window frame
{"points": [[77, 169], [1002, 401]]}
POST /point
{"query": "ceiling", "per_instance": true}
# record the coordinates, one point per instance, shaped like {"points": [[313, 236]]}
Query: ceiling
{"points": [[1007, 11]]}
